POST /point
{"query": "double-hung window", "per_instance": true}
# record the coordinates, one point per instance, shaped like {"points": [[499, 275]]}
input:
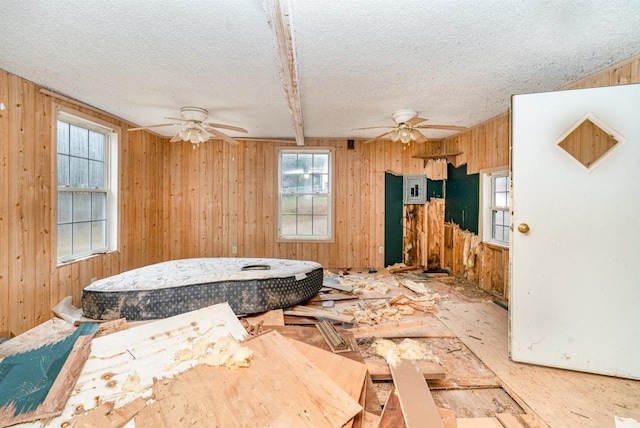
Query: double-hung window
{"points": [[86, 214], [305, 194], [496, 207]]}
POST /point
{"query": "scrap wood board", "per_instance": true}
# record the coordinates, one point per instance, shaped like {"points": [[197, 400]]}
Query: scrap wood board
{"points": [[312, 336], [36, 384], [544, 392], [379, 369], [416, 401], [273, 317], [122, 365], [508, 420], [392, 416], [478, 423], [348, 374], [281, 387], [305, 311], [427, 326]]}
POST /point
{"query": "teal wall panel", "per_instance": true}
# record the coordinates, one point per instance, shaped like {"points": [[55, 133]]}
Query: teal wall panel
{"points": [[462, 198]]}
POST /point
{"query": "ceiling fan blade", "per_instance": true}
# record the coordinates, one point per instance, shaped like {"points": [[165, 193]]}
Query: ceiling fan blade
{"points": [[152, 126], [377, 137], [215, 133], [374, 127], [176, 138], [447, 127], [178, 118], [418, 136], [229, 127], [416, 120]]}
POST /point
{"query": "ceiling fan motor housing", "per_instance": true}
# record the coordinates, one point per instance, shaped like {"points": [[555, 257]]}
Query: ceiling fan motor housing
{"points": [[196, 114], [404, 115]]}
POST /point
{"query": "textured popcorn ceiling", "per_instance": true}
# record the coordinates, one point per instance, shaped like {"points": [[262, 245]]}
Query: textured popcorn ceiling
{"points": [[456, 62]]}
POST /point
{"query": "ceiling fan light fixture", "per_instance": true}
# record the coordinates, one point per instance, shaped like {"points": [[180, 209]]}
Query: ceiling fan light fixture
{"points": [[193, 136], [203, 137], [405, 136], [395, 136]]}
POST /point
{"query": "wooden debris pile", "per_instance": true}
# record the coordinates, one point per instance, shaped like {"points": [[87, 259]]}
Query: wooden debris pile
{"points": [[326, 363], [173, 372]]}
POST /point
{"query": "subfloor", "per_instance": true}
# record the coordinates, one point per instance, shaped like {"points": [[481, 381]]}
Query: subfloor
{"points": [[467, 337]]}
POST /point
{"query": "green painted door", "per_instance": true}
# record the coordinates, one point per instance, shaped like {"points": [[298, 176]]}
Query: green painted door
{"points": [[392, 219]]}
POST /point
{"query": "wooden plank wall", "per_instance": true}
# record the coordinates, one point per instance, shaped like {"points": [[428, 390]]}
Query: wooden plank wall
{"points": [[486, 146], [224, 196], [30, 281]]}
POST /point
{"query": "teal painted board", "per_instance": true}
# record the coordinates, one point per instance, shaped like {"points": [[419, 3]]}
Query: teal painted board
{"points": [[434, 189], [462, 198], [393, 188], [27, 377]]}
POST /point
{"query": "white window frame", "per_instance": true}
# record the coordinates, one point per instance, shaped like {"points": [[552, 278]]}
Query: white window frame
{"points": [[488, 205], [328, 237], [111, 133]]}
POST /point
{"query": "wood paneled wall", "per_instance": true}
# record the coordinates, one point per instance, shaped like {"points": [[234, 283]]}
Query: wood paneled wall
{"points": [[30, 281], [224, 196]]}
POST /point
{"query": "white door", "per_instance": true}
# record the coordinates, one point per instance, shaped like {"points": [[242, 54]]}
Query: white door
{"points": [[575, 275]]}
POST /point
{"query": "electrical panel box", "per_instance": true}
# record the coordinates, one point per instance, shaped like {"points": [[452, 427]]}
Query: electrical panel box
{"points": [[415, 189]]}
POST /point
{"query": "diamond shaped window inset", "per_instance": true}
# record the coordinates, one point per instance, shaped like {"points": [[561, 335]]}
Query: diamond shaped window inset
{"points": [[589, 140]]}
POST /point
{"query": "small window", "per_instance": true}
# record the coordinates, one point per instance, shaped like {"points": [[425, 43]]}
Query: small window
{"points": [[86, 200], [304, 203], [496, 207]]}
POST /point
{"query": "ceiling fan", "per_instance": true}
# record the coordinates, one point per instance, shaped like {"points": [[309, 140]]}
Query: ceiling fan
{"points": [[408, 127], [194, 127]]}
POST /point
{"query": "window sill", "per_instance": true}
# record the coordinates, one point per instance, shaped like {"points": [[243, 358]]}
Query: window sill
{"points": [[305, 241], [497, 245], [82, 258]]}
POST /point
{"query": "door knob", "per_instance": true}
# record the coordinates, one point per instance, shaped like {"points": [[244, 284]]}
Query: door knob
{"points": [[523, 228]]}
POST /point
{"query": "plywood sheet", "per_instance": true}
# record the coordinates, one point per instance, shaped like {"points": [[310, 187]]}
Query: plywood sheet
{"points": [[348, 374], [280, 388], [558, 397], [121, 366]]}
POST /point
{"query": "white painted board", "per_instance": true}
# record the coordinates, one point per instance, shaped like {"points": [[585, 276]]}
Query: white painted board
{"points": [[147, 351]]}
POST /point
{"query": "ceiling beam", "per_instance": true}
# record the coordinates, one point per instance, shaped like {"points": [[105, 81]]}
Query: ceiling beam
{"points": [[279, 19]]}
